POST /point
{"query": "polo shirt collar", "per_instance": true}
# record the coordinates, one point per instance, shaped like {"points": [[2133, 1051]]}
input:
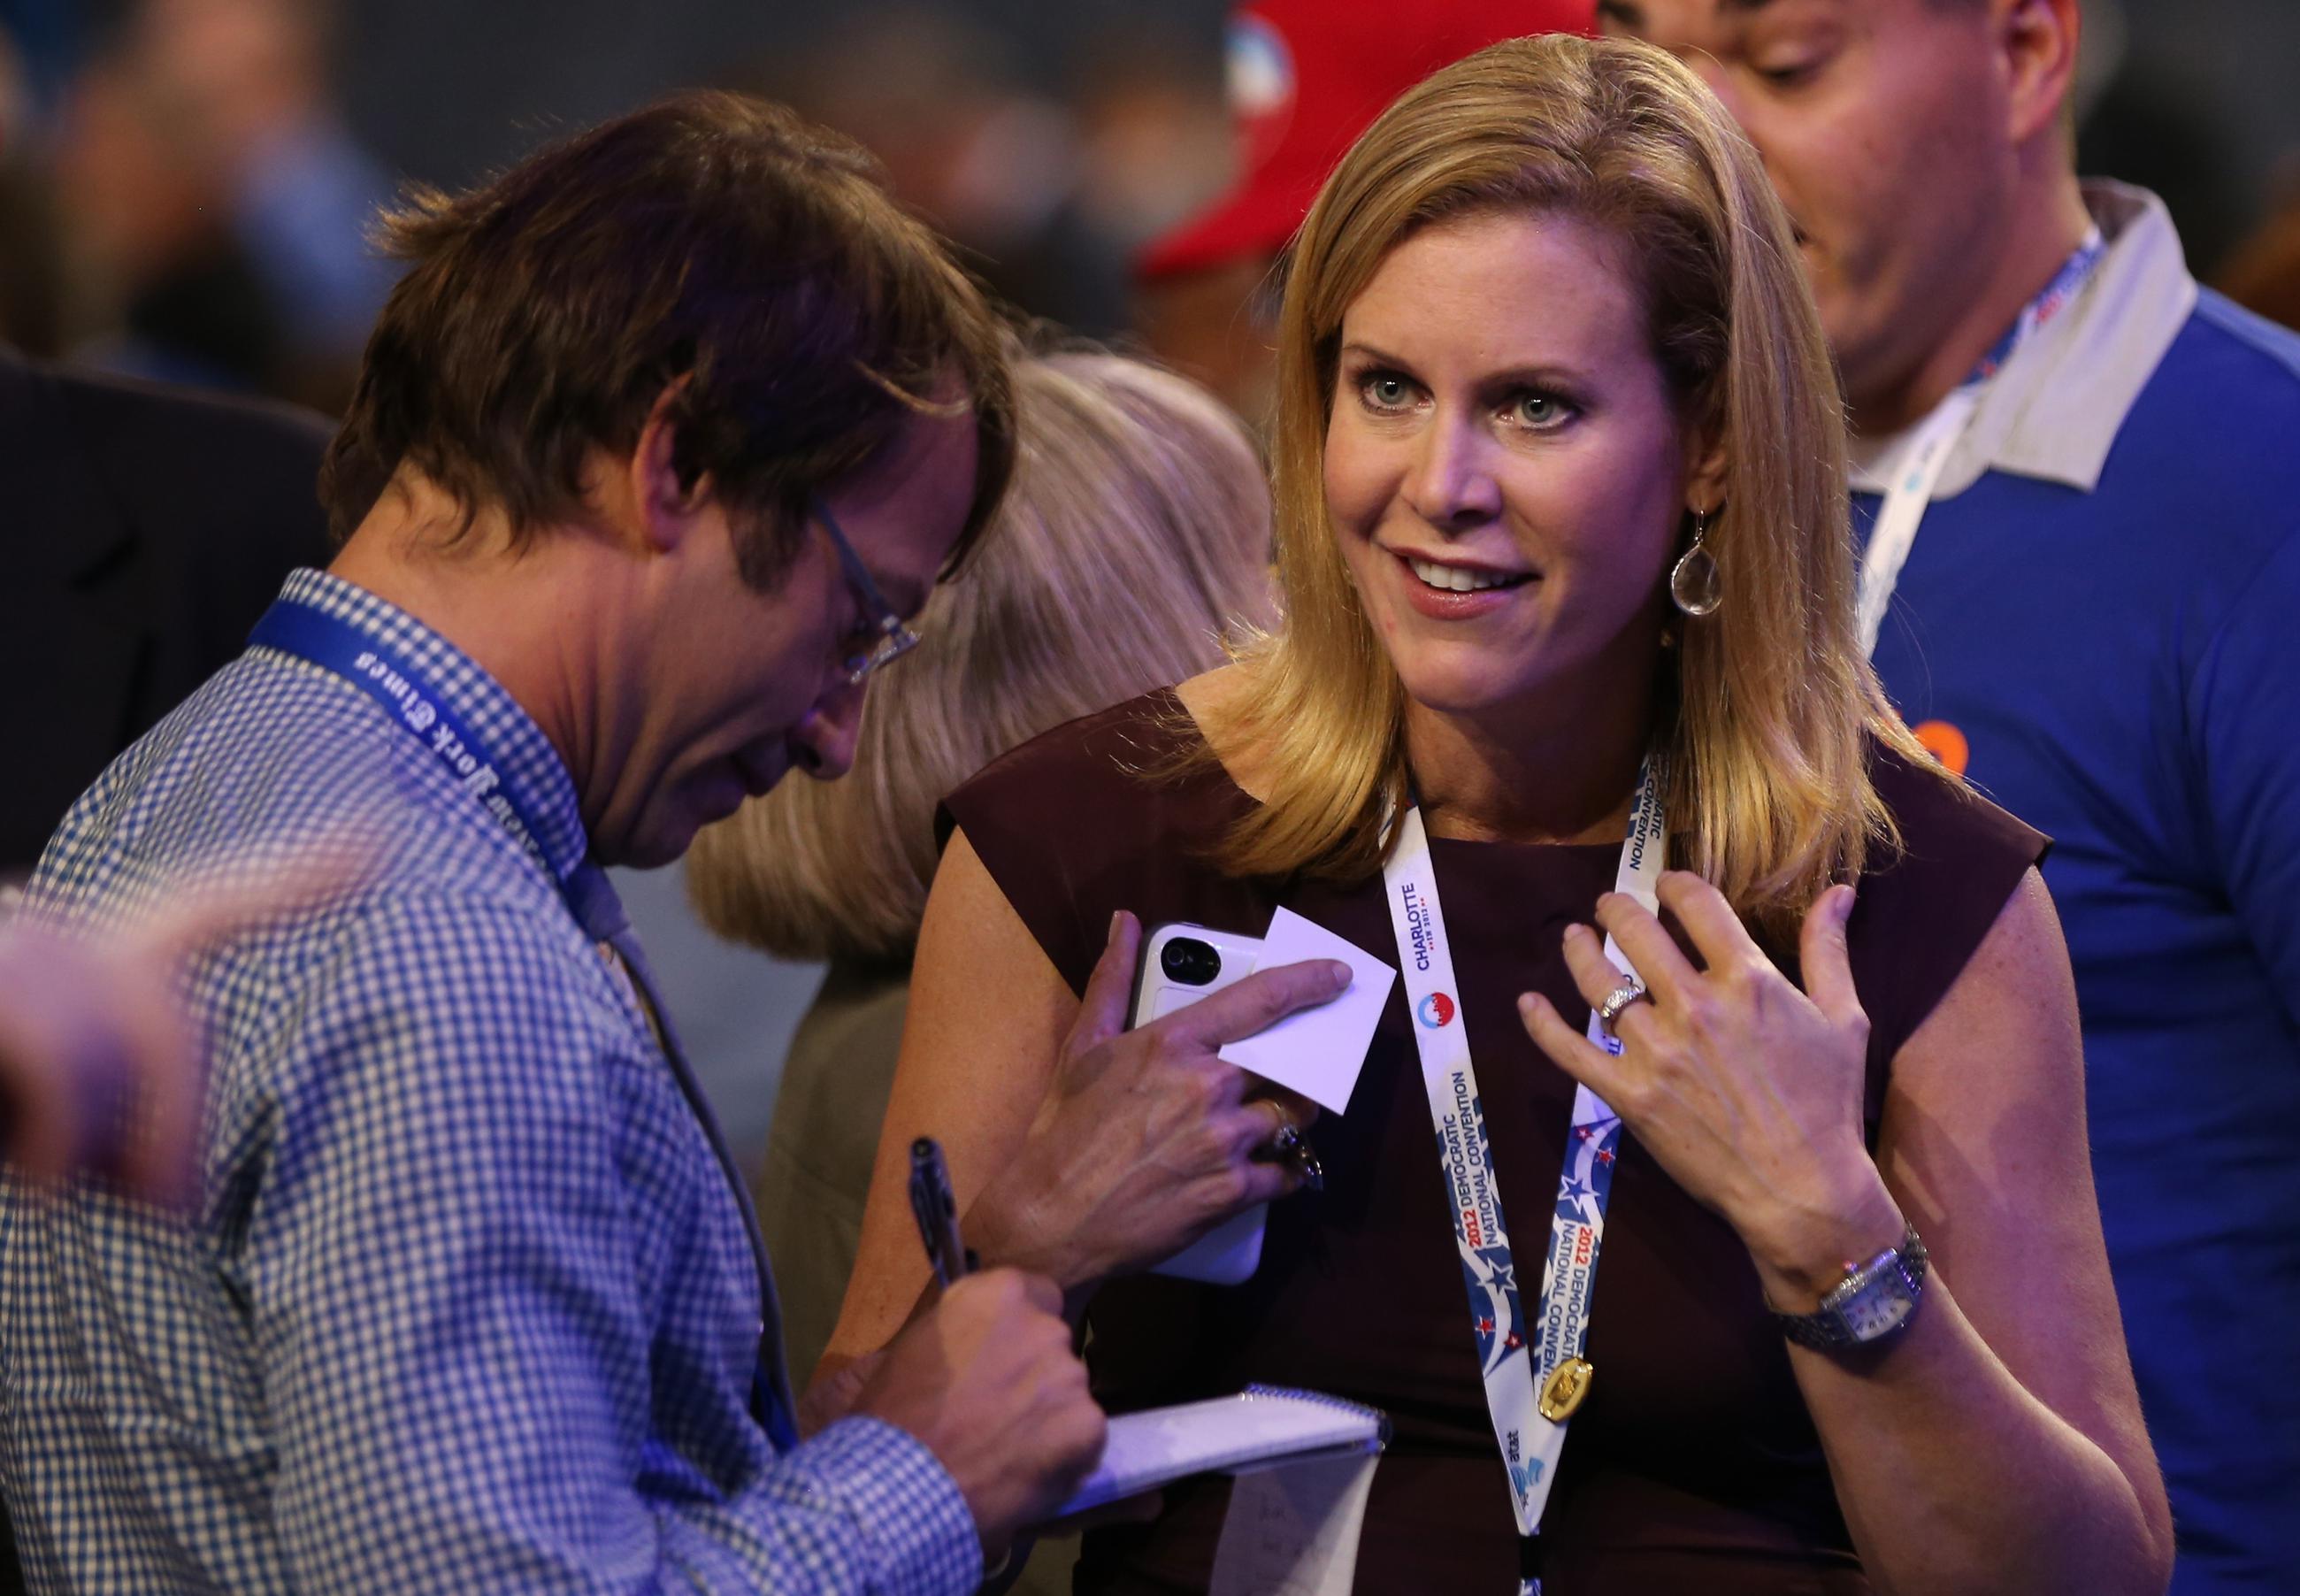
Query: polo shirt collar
{"points": [[2055, 410], [534, 777]]}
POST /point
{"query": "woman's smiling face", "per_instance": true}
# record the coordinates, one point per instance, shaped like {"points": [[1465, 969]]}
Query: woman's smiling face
{"points": [[1505, 464]]}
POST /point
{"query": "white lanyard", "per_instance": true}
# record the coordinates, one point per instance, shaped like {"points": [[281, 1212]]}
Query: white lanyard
{"points": [[1529, 1398], [1917, 468], [1915, 472]]}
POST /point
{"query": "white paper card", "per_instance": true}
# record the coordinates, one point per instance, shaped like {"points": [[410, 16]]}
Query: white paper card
{"points": [[1318, 1051], [1294, 1531]]}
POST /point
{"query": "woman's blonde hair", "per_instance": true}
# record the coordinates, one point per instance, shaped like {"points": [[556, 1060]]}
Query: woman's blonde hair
{"points": [[1768, 787], [1134, 540]]}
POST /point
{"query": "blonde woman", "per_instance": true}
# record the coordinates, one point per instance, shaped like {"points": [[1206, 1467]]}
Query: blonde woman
{"points": [[1134, 540], [1561, 505]]}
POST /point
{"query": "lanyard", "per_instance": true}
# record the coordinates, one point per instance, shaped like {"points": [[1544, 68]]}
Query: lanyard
{"points": [[1535, 1374], [1918, 465], [333, 644]]}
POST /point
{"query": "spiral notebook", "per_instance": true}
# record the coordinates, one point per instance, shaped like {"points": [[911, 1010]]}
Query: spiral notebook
{"points": [[1263, 1426], [1304, 1463]]}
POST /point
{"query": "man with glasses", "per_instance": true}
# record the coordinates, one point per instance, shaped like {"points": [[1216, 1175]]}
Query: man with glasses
{"points": [[658, 441]]}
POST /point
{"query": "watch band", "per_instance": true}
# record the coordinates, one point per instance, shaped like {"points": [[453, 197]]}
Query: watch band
{"points": [[1828, 1329]]}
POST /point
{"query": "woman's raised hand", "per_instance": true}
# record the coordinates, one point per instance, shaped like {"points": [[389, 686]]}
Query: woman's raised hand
{"points": [[1747, 1091], [1146, 1140]]}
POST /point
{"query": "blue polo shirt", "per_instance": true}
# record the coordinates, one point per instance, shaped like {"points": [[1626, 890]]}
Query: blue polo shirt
{"points": [[2100, 618]]}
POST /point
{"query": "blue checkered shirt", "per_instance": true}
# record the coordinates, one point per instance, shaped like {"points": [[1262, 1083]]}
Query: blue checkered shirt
{"points": [[469, 1303]]}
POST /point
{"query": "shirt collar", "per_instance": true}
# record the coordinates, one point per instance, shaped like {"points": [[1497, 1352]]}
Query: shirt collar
{"points": [[536, 778], [2055, 410]]}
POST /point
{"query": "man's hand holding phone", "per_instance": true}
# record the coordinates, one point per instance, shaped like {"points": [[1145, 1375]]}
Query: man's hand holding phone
{"points": [[1146, 1140]]}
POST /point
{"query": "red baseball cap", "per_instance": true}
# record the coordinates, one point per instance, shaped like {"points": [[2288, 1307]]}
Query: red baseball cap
{"points": [[1305, 78]]}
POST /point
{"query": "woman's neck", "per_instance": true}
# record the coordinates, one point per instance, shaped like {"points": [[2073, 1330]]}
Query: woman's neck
{"points": [[1560, 771]]}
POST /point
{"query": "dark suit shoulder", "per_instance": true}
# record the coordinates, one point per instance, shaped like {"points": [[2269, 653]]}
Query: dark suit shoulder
{"points": [[210, 458], [148, 527]]}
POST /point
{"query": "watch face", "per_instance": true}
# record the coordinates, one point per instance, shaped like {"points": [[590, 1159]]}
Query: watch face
{"points": [[1876, 1306]]}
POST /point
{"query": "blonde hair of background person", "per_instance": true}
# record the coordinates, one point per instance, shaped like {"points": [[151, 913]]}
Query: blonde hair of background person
{"points": [[1131, 547], [1746, 1091], [1775, 700]]}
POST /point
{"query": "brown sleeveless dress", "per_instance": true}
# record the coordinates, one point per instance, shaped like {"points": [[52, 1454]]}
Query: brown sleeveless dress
{"points": [[1693, 1464]]}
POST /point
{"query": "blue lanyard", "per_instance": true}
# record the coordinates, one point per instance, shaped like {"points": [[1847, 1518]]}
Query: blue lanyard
{"points": [[415, 705], [2049, 302]]}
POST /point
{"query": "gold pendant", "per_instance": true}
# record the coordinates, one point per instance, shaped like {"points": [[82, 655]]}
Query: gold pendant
{"points": [[1564, 1391]]}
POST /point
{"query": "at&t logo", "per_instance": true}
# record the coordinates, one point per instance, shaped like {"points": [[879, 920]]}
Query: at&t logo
{"points": [[1435, 1011]]}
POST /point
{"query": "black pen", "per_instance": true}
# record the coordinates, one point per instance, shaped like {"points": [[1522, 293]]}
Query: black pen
{"points": [[937, 1211]]}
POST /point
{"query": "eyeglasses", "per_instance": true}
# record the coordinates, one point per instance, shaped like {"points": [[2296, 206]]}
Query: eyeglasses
{"points": [[894, 637]]}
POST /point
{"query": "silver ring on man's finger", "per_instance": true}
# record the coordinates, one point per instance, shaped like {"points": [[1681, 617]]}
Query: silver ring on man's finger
{"points": [[1293, 1148], [1617, 1001]]}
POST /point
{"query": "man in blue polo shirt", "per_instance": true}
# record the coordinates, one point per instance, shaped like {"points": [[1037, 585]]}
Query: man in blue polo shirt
{"points": [[2078, 478]]}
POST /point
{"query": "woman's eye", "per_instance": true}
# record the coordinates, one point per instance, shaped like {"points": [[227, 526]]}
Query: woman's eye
{"points": [[1539, 411], [1385, 390]]}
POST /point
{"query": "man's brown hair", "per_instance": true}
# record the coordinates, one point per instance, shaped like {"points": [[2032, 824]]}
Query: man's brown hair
{"points": [[713, 246]]}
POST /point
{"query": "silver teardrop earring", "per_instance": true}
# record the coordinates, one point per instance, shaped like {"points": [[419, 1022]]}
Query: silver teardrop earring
{"points": [[1696, 586]]}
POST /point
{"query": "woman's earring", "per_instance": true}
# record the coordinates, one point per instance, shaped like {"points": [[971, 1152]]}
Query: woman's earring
{"points": [[1695, 584]]}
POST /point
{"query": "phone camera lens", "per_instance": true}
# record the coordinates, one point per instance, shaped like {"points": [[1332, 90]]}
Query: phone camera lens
{"points": [[1191, 962]]}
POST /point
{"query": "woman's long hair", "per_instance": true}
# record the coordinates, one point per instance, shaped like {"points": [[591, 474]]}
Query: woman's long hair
{"points": [[1769, 792]]}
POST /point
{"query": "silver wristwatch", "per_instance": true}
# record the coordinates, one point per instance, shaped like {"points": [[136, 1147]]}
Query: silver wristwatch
{"points": [[1872, 1301]]}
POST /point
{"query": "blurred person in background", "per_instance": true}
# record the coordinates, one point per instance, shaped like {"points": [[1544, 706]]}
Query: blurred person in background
{"points": [[32, 291], [2075, 474], [2263, 271], [146, 528], [1130, 548], [1048, 193], [1304, 78], [215, 205]]}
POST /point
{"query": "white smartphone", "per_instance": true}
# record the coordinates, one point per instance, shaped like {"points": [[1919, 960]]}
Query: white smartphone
{"points": [[1182, 963]]}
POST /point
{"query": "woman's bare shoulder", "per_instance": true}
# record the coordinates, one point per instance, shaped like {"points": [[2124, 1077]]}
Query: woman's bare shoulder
{"points": [[1217, 701]]}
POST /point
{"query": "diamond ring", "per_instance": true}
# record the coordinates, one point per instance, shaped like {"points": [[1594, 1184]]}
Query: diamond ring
{"points": [[1617, 1001]]}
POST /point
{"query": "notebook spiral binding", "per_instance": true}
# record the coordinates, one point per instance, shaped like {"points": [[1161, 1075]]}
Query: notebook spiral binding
{"points": [[1323, 1400]]}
